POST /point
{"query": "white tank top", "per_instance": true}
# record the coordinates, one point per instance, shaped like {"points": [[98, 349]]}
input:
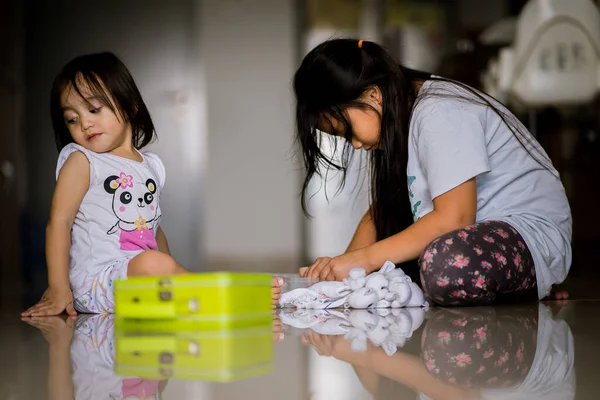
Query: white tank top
{"points": [[119, 215]]}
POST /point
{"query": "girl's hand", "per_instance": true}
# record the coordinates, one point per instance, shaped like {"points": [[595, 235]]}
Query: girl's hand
{"points": [[337, 268], [336, 346], [53, 302], [55, 329]]}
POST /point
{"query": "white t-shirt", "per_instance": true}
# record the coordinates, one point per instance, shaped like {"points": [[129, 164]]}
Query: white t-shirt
{"points": [[452, 140], [552, 373], [118, 216]]}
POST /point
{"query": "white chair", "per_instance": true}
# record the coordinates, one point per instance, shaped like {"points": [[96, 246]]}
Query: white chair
{"points": [[555, 57]]}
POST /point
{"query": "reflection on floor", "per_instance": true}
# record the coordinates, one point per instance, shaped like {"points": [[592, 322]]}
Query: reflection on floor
{"points": [[532, 351]]}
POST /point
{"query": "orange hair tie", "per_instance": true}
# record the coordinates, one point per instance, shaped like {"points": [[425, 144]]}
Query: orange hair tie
{"points": [[360, 43]]}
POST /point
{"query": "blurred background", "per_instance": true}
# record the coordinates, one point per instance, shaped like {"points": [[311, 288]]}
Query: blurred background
{"points": [[216, 76]]}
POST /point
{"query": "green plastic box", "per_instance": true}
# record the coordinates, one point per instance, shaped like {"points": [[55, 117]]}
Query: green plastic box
{"points": [[203, 300]]}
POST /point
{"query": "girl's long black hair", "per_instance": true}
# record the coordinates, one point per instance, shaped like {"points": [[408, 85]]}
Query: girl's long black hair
{"points": [[331, 79], [108, 79]]}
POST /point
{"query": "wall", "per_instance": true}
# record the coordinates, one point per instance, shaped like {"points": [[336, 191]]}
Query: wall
{"points": [[11, 160], [213, 73], [252, 206]]}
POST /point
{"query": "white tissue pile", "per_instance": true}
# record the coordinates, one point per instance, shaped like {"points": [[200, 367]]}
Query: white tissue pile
{"points": [[389, 287], [385, 328]]}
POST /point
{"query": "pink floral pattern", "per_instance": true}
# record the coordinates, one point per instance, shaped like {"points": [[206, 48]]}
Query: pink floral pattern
{"points": [[488, 354], [461, 360], [460, 261], [460, 322], [502, 234], [444, 337], [428, 256], [124, 180], [487, 259], [479, 348], [479, 282], [486, 265], [489, 239], [500, 258], [443, 281]]}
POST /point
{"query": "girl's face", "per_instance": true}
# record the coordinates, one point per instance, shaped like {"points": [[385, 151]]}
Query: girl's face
{"points": [[91, 123], [365, 123]]}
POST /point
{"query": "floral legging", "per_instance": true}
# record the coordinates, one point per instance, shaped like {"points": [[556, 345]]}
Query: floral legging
{"points": [[486, 348], [478, 265]]}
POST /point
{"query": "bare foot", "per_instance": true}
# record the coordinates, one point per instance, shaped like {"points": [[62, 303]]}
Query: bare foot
{"points": [[557, 293], [276, 284], [278, 334]]}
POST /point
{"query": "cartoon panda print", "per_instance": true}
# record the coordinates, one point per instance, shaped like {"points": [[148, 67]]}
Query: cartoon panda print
{"points": [[135, 204]]}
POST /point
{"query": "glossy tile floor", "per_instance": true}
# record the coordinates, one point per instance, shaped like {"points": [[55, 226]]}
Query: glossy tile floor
{"points": [[535, 351]]}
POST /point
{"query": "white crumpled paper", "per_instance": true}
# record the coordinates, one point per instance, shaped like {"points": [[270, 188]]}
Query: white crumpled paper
{"points": [[385, 328], [389, 287]]}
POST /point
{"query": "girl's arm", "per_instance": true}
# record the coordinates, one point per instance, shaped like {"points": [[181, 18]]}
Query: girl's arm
{"points": [[453, 210], [161, 240], [72, 185], [374, 362], [60, 382], [410, 371], [365, 234], [368, 378], [58, 333]]}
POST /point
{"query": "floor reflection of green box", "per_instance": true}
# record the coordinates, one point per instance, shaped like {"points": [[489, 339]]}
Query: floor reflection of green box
{"points": [[219, 356]]}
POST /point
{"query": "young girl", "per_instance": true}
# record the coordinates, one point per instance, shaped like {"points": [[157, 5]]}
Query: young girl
{"points": [[105, 216], [457, 181]]}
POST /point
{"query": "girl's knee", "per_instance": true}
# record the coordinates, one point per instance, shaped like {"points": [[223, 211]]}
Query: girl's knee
{"points": [[436, 257], [445, 272], [153, 263], [434, 280]]}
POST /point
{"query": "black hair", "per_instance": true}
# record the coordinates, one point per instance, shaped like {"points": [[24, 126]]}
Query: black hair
{"points": [[331, 78], [108, 79]]}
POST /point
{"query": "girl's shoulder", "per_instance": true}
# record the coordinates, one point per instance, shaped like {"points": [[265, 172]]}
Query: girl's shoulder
{"points": [[148, 155], [70, 149], [156, 165], [440, 99], [66, 152]]}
